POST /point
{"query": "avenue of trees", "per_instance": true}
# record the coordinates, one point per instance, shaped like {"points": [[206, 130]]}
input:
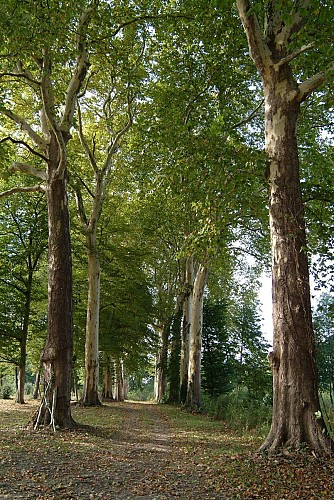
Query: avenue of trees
{"points": [[156, 158]]}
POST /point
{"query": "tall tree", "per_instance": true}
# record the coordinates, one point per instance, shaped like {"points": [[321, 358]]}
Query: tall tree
{"points": [[101, 168], [47, 58], [23, 236], [275, 52]]}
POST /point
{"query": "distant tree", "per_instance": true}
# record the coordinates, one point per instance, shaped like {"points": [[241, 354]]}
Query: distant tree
{"points": [[217, 355], [252, 368], [324, 334], [23, 239]]}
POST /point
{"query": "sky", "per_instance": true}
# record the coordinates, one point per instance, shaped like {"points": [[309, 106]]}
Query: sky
{"points": [[266, 307]]}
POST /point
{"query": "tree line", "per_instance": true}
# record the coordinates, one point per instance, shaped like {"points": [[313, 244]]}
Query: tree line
{"points": [[149, 127]]}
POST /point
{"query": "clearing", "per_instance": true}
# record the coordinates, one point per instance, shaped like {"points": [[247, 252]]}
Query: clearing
{"points": [[147, 451]]}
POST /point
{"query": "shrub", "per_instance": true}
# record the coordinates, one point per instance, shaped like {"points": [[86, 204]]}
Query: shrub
{"points": [[240, 411], [6, 391]]}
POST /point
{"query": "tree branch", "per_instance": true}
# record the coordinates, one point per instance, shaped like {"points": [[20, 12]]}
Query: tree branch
{"points": [[250, 116], [83, 141], [26, 145], [25, 168], [259, 50], [25, 127], [293, 55], [119, 134], [29, 189], [312, 83], [189, 107], [80, 206], [48, 108], [80, 70], [297, 22]]}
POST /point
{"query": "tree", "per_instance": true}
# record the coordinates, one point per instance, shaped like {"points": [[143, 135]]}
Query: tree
{"points": [[101, 176], [46, 59], [324, 331], [217, 355], [286, 86], [23, 240]]}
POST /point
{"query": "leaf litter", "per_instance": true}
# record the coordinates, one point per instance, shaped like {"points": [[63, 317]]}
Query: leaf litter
{"points": [[147, 451]]}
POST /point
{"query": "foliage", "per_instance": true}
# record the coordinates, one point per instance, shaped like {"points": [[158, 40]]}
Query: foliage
{"points": [[324, 333], [217, 355]]}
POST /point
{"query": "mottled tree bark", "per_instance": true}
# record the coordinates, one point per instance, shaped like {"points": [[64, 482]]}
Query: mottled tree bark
{"points": [[194, 398], [185, 328], [91, 395], [296, 401]]}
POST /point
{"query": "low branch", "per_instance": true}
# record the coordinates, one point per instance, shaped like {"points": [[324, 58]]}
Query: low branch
{"points": [[26, 145], [294, 55], [24, 75], [25, 168], [80, 206], [250, 116], [83, 141], [29, 189], [25, 127], [311, 84]]}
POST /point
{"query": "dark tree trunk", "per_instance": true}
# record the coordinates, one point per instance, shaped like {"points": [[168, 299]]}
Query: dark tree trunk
{"points": [[108, 377], [37, 382], [23, 341], [185, 327], [174, 360], [58, 352], [161, 364], [119, 381]]}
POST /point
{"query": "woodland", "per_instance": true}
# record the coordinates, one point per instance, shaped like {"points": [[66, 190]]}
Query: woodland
{"points": [[157, 159]]}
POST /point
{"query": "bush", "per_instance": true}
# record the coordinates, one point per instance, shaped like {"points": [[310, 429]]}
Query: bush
{"points": [[240, 411], [6, 391]]}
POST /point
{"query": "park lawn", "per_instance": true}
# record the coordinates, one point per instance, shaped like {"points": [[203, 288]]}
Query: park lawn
{"points": [[136, 450]]}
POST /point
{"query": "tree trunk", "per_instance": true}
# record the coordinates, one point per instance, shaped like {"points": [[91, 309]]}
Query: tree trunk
{"points": [[119, 381], [37, 382], [107, 378], [22, 371], [23, 341], [293, 358], [185, 335], [296, 401], [161, 364], [91, 395], [58, 351], [174, 360], [194, 371]]}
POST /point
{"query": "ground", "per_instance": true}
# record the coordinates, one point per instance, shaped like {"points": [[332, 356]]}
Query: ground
{"points": [[147, 451]]}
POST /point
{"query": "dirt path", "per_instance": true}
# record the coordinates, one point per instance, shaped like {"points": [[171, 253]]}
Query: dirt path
{"points": [[130, 453]]}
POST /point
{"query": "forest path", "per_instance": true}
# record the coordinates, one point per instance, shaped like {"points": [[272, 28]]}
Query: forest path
{"points": [[125, 450], [146, 451]]}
